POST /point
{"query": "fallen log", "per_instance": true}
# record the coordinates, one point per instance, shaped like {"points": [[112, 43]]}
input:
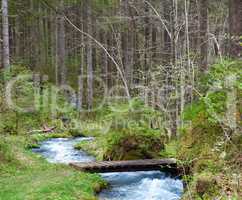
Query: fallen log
{"points": [[48, 129], [44, 130]]}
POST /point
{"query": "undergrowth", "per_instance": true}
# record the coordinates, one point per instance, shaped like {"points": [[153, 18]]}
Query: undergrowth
{"points": [[24, 175], [128, 131], [211, 144]]}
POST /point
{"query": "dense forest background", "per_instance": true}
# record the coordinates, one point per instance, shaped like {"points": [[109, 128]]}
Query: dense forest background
{"points": [[146, 78], [142, 45]]}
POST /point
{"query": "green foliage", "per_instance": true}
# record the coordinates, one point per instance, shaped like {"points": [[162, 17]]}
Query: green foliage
{"points": [[204, 186], [218, 84], [209, 145], [133, 114], [25, 175], [7, 154], [126, 144], [199, 140], [170, 149], [33, 105], [219, 72], [193, 110], [94, 148], [127, 130]]}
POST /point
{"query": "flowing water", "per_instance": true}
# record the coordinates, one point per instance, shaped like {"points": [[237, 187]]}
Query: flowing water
{"points": [[153, 185]]}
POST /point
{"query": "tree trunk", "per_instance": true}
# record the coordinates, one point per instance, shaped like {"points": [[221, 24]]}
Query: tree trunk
{"points": [[104, 58], [147, 33], [5, 34], [80, 81], [235, 27], [61, 51], [127, 43], [203, 18], [82, 64], [194, 25], [17, 39], [1, 52], [89, 61], [168, 39]]}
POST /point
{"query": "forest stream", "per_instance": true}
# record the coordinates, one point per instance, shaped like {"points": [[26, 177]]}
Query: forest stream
{"points": [[152, 185]]}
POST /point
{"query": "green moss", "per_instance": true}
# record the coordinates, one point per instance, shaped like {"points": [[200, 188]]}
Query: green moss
{"points": [[206, 185], [199, 139], [92, 132], [170, 150], [127, 144], [124, 131], [132, 144], [75, 132], [92, 148]]}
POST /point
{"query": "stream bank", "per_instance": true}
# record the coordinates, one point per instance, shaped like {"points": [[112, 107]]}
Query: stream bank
{"points": [[153, 185], [26, 175]]}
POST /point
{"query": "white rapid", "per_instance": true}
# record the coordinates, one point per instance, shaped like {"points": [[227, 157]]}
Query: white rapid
{"points": [[153, 185]]}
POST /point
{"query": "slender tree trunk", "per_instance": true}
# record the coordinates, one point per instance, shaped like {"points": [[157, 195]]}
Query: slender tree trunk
{"points": [[168, 39], [129, 69], [80, 81], [174, 22], [135, 51], [194, 25], [18, 38], [47, 38], [131, 48], [61, 49], [53, 40], [1, 51], [5, 34], [81, 69], [126, 42], [235, 27], [110, 64], [33, 35], [41, 40], [154, 43], [94, 33], [147, 33], [89, 60], [104, 58], [203, 18]]}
